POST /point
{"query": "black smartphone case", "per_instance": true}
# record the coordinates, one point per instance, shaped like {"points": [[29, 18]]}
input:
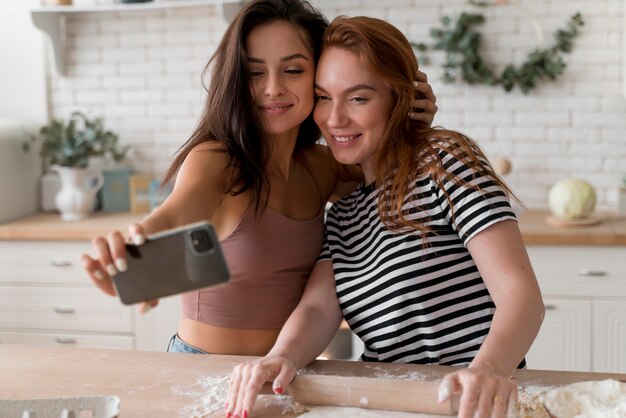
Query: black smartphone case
{"points": [[172, 262]]}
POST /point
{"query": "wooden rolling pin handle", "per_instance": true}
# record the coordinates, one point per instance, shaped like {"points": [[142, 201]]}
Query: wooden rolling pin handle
{"points": [[371, 393]]}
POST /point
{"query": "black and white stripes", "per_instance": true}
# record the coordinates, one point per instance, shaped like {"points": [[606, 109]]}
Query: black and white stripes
{"points": [[410, 299]]}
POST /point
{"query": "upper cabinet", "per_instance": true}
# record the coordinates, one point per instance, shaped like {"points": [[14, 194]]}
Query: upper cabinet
{"points": [[52, 19]]}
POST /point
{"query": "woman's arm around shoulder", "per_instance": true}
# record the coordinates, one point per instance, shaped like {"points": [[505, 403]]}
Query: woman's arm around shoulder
{"points": [[502, 260]]}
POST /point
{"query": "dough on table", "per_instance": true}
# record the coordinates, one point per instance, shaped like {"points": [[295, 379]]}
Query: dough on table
{"points": [[597, 399]]}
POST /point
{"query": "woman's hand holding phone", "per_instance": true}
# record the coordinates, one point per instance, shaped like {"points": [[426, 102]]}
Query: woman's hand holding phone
{"points": [[146, 268], [111, 258]]}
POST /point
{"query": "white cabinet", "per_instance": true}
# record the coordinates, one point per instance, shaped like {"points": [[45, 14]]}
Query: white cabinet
{"points": [[609, 328], [584, 290], [46, 298], [564, 342]]}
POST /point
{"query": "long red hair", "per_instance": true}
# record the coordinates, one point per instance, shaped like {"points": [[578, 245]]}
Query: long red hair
{"points": [[409, 149]]}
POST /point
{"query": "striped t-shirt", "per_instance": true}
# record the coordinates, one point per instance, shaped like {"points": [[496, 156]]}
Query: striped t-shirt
{"points": [[407, 301]]}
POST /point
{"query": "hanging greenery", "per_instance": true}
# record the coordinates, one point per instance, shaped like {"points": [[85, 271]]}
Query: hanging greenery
{"points": [[461, 43]]}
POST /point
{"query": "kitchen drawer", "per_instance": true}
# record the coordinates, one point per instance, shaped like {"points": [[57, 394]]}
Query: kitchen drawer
{"points": [[43, 262], [580, 271], [62, 308], [63, 339]]}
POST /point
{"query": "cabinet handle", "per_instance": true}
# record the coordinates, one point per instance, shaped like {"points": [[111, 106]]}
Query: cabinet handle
{"points": [[591, 273], [61, 263], [65, 340], [64, 310], [550, 307]]}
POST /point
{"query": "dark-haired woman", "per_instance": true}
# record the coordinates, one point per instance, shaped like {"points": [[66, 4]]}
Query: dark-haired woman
{"points": [[424, 260], [253, 169]]}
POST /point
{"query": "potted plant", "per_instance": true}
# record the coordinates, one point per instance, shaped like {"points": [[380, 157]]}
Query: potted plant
{"points": [[67, 146]]}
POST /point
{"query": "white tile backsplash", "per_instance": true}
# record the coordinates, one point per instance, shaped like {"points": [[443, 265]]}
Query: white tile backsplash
{"points": [[141, 71]]}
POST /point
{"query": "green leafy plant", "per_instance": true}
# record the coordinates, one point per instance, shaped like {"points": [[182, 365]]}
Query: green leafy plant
{"points": [[71, 143], [461, 43]]}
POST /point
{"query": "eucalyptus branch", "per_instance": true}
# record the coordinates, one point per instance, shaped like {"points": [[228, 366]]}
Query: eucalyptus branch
{"points": [[461, 43]]}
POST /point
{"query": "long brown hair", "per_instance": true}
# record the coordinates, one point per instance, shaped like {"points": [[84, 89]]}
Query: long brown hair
{"points": [[230, 116], [409, 149]]}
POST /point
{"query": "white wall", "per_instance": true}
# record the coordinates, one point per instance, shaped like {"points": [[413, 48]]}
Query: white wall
{"points": [[141, 71], [22, 67]]}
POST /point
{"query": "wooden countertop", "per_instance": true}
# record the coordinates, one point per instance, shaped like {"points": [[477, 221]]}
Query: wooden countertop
{"points": [[611, 231], [50, 227], [151, 384]]}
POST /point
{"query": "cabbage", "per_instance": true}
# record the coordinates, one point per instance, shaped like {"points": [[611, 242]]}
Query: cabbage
{"points": [[572, 199]]}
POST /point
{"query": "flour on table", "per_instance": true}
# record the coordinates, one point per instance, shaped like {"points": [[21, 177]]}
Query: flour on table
{"points": [[597, 399], [206, 396], [209, 394], [284, 403]]}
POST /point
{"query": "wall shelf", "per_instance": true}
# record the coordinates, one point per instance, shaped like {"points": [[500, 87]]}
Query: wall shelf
{"points": [[52, 19]]}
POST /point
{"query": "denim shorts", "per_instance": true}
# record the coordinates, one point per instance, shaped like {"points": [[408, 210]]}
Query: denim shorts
{"points": [[176, 345]]}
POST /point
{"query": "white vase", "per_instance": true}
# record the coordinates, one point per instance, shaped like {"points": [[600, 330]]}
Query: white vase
{"points": [[77, 196]]}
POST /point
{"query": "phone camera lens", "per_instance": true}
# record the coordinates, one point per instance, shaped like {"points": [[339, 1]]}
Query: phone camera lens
{"points": [[201, 241]]}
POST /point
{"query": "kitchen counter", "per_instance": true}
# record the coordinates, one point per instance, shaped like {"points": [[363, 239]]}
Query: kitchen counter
{"points": [[611, 231], [50, 227], [151, 384]]}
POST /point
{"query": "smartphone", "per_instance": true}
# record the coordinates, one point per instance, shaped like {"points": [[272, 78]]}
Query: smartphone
{"points": [[170, 262]]}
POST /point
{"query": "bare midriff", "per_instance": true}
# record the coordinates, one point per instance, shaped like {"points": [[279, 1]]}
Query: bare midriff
{"points": [[218, 340]]}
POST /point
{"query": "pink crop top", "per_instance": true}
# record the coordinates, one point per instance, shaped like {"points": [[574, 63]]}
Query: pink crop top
{"points": [[270, 259]]}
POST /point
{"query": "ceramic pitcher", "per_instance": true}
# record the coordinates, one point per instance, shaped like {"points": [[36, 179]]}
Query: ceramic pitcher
{"points": [[77, 196]]}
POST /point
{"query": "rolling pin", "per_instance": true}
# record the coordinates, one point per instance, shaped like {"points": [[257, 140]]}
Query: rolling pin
{"points": [[370, 393]]}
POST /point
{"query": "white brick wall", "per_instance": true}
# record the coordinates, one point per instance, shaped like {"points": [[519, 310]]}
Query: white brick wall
{"points": [[141, 71]]}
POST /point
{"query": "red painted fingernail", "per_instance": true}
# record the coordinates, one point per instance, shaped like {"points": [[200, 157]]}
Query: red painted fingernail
{"points": [[245, 414], [228, 414], [279, 390]]}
